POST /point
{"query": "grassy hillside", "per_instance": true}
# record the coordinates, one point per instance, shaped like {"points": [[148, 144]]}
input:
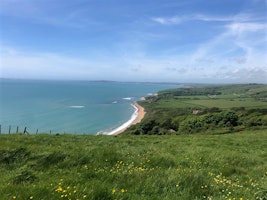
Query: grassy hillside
{"points": [[195, 159], [230, 166], [222, 109]]}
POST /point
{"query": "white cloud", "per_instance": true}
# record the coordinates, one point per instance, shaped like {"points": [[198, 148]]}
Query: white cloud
{"points": [[168, 21], [177, 19], [251, 75], [239, 28]]}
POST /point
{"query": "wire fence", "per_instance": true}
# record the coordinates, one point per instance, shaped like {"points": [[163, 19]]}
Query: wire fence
{"points": [[11, 129]]}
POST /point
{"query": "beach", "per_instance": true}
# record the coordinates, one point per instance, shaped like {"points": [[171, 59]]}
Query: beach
{"points": [[137, 117]]}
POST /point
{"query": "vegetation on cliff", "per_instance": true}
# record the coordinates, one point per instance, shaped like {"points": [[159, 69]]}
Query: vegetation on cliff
{"points": [[209, 109]]}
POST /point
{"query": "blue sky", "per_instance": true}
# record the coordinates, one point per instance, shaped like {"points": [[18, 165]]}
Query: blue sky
{"points": [[206, 41]]}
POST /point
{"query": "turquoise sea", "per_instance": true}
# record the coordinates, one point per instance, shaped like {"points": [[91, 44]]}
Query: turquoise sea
{"points": [[77, 107]]}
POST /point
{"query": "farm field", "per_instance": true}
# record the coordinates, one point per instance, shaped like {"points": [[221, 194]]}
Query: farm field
{"points": [[225, 97], [223, 103], [210, 109], [229, 166]]}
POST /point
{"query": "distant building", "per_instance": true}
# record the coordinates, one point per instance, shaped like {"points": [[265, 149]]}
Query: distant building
{"points": [[197, 112]]}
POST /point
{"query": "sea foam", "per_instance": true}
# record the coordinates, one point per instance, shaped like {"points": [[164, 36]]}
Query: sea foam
{"points": [[124, 125], [76, 106]]}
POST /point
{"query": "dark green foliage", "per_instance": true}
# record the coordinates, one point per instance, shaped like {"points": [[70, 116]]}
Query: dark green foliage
{"points": [[13, 156], [148, 126], [24, 177], [262, 111], [191, 91], [52, 159]]}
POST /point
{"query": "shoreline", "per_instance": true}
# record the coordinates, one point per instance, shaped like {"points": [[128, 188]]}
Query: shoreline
{"points": [[137, 117]]}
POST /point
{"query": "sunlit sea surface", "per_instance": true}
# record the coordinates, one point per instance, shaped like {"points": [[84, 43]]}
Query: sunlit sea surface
{"points": [[77, 107]]}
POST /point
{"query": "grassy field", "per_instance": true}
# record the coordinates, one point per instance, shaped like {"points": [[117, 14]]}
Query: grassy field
{"points": [[222, 103], [229, 97], [229, 166], [225, 96]]}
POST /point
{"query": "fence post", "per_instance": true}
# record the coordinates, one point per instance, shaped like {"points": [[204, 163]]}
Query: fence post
{"points": [[17, 129], [9, 130], [36, 131], [25, 130]]}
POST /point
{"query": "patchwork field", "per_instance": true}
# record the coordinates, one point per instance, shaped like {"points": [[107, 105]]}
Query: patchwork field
{"points": [[204, 109]]}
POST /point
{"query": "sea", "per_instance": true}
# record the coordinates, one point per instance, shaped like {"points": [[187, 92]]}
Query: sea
{"points": [[74, 107]]}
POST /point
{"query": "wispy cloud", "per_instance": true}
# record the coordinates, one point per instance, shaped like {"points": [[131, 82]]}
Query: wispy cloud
{"points": [[238, 28], [174, 20], [178, 19], [169, 20]]}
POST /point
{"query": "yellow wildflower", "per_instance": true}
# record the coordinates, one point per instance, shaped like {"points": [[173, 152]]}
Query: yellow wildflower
{"points": [[59, 189]]}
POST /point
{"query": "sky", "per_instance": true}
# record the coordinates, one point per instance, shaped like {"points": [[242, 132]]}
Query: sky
{"points": [[196, 41]]}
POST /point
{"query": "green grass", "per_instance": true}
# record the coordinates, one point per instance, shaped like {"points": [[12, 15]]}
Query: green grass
{"points": [[134, 167], [229, 103], [224, 97], [223, 102]]}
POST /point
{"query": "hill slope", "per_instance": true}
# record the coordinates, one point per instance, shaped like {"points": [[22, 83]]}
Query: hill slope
{"points": [[230, 166]]}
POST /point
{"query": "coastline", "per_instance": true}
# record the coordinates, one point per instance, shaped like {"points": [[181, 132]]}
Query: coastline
{"points": [[137, 117]]}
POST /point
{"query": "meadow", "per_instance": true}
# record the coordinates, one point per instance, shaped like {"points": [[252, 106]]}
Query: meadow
{"points": [[198, 166], [224, 97]]}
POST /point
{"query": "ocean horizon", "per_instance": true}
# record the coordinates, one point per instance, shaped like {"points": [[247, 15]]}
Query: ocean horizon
{"points": [[75, 107]]}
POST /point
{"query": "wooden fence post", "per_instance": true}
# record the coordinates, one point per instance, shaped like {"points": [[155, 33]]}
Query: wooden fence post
{"points": [[36, 131], [17, 129], [25, 130], [9, 130]]}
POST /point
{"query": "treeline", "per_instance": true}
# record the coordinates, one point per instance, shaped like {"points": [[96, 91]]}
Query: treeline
{"points": [[192, 92], [213, 120], [253, 90]]}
